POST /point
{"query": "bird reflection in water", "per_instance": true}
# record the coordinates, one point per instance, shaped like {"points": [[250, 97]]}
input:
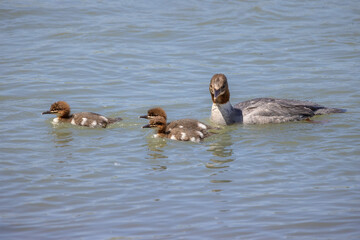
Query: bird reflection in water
{"points": [[62, 138], [221, 149], [155, 155]]}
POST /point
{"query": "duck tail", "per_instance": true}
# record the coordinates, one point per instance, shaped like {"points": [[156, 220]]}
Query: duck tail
{"points": [[114, 120], [323, 111]]}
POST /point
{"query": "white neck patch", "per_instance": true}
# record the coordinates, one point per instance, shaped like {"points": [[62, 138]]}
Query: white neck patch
{"points": [[224, 114], [55, 121]]}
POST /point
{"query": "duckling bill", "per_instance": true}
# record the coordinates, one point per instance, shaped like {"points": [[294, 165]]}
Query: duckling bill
{"points": [[87, 119]]}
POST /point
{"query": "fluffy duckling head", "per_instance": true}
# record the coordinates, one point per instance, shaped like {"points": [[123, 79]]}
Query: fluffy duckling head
{"points": [[157, 122], [60, 108], [155, 112]]}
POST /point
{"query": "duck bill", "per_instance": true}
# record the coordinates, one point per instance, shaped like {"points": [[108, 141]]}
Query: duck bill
{"points": [[144, 116], [217, 93], [47, 112], [146, 126]]}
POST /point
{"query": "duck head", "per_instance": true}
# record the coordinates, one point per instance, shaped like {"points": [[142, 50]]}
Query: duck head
{"points": [[60, 108], [219, 89], [157, 122], [155, 112]]}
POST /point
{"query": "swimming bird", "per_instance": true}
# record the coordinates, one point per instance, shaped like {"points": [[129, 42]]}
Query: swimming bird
{"points": [[181, 123], [259, 110], [179, 134], [87, 119]]}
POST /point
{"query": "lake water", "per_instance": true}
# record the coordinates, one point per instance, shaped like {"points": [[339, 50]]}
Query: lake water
{"points": [[119, 58]]}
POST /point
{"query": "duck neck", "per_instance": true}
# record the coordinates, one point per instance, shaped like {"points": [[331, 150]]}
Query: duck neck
{"points": [[161, 131], [65, 118], [225, 114]]}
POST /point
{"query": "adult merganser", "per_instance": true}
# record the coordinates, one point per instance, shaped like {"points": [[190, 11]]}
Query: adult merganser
{"points": [[87, 119], [259, 110]]}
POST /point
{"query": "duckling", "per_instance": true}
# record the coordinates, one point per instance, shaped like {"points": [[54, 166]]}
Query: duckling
{"points": [[87, 119], [181, 123], [179, 134]]}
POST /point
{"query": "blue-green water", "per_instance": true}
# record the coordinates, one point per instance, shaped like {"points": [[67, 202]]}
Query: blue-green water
{"points": [[120, 58]]}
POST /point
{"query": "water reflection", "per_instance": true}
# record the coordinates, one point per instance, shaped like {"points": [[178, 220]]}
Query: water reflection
{"points": [[155, 146], [218, 163], [220, 181], [221, 149], [159, 168], [218, 187], [62, 137], [155, 151]]}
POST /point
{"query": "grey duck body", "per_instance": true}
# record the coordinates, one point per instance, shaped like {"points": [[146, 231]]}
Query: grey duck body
{"points": [[259, 110]]}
